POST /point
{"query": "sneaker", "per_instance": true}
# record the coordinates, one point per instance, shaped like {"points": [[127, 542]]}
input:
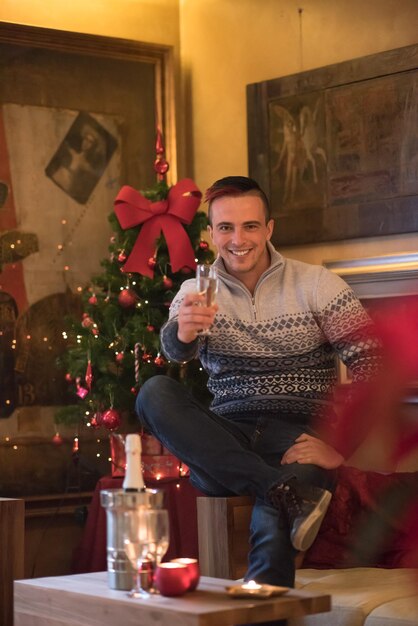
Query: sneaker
{"points": [[304, 506]]}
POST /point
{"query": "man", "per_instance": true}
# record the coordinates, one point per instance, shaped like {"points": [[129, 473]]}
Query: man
{"points": [[270, 358]]}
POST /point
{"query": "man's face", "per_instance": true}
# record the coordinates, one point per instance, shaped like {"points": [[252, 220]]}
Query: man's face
{"points": [[240, 233]]}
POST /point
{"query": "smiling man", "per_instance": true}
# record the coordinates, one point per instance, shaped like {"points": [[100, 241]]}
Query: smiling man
{"points": [[270, 356]]}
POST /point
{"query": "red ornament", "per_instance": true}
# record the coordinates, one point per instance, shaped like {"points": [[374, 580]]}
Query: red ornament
{"points": [[134, 390], [127, 298], [86, 322], [96, 420], [159, 360], [93, 299], [150, 328], [89, 375], [161, 166], [146, 356], [203, 245], [122, 256], [167, 282], [57, 440], [111, 419], [68, 377], [81, 391], [152, 262], [119, 357]]}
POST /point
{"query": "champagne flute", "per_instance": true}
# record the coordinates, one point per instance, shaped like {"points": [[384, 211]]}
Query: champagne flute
{"points": [[206, 285], [136, 545], [158, 532]]}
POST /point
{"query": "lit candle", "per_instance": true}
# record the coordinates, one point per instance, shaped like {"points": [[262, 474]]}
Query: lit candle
{"points": [[193, 570], [251, 585], [254, 590], [172, 579]]}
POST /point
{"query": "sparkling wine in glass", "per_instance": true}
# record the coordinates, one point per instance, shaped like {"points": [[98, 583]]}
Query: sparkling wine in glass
{"points": [[158, 532], [207, 285], [136, 544]]}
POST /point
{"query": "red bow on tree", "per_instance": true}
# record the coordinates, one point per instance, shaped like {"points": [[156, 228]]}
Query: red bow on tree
{"points": [[166, 216]]}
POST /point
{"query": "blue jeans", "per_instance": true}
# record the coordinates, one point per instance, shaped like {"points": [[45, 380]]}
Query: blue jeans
{"points": [[233, 457]]}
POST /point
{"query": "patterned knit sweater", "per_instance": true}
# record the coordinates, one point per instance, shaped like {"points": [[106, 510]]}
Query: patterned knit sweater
{"points": [[275, 351]]}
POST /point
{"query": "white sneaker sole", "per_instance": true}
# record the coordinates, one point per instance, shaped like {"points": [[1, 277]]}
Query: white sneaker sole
{"points": [[306, 533]]}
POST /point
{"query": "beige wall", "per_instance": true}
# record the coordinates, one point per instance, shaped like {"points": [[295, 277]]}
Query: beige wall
{"points": [[227, 44], [155, 21]]}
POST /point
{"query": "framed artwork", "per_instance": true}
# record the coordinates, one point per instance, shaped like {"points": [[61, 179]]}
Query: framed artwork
{"points": [[336, 148], [78, 119]]}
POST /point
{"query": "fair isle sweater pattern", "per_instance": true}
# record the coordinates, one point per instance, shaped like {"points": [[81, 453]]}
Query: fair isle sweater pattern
{"points": [[275, 351]]}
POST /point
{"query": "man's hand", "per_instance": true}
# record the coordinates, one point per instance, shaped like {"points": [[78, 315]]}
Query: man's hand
{"points": [[308, 449], [193, 317]]}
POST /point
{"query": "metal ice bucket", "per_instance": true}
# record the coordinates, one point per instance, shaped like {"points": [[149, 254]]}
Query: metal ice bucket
{"points": [[117, 502]]}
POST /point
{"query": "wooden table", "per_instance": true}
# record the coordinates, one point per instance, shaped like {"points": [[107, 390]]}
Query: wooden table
{"points": [[86, 599]]}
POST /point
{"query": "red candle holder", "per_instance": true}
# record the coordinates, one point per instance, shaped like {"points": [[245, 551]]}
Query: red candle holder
{"points": [[172, 579], [193, 569]]}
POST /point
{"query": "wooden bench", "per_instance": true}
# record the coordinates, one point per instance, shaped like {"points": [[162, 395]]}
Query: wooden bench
{"points": [[12, 532]]}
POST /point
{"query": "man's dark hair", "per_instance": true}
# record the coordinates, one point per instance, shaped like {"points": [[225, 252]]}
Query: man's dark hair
{"points": [[236, 186]]}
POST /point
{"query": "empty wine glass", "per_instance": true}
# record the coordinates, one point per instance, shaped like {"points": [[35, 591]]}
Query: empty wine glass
{"points": [[158, 533], [136, 545], [206, 285]]}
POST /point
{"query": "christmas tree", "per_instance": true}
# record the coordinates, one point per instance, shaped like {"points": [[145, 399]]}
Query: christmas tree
{"points": [[114, 348]]}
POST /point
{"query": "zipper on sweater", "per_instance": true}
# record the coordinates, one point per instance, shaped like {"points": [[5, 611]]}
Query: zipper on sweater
{"points": [[254, 308]]}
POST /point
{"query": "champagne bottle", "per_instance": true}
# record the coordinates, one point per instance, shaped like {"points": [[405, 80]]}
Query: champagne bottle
{"points": [[133, 480]]}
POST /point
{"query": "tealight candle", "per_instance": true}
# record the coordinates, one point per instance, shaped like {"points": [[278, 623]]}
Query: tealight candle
{"points": [[172, 579], [193, 570], [251, 585], [254, 590]]}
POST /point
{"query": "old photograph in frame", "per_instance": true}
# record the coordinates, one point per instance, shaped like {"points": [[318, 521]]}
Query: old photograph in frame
{"points": [[336, 148]]}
